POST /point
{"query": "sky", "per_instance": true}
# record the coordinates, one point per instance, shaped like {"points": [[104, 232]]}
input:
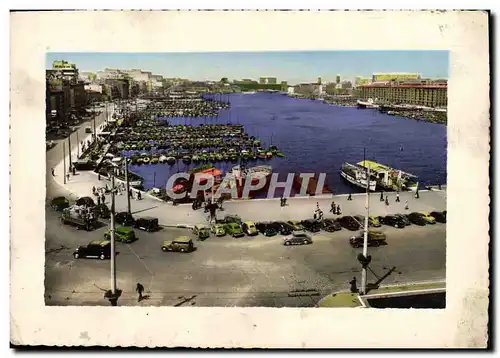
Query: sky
{"points": [[294, 67]]}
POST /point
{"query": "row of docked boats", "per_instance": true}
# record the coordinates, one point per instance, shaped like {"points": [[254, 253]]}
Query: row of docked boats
{"points": [[204, 156]]}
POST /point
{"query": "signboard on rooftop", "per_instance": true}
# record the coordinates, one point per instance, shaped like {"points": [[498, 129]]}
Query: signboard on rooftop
{"points": [[63, 65]]}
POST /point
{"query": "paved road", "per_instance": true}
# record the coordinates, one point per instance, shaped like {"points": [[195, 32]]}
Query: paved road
{"points": [[233, 272]]}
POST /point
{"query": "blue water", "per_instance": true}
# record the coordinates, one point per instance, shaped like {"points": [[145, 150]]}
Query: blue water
{"points": [[317, 137]]}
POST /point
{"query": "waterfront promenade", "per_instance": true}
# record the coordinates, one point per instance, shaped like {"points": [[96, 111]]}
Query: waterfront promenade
{"points": [[298, 208]]}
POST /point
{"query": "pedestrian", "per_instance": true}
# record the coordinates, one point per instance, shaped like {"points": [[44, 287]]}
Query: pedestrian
{"points": [[106, 188], [130, 194], [139, 289], [284, 201], [354, 286], [67, 176], [386, 200], [317, 206], [93, 190], [74, 170], [397, 197], [332, 207], [103, 198], [349, 197], [139, 197], [439, 186], [406, 205], [315, 216], [381, 196], [98, 176], [52, 170], [417, 195], [339, 212], [320, 215]]}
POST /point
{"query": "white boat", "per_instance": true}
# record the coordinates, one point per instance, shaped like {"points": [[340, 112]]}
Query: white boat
{"points": [[357, 175], [390, 178], [249, 92], [367, 104], [162, 159]]}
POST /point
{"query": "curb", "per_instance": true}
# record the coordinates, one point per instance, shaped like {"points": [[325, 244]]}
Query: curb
{"points": [[178, 226]]}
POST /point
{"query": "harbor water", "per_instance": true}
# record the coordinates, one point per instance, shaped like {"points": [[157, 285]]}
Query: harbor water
{"points": [[317, 138]]}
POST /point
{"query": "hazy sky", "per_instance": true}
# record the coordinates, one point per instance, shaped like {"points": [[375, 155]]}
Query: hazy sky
{"points": [[293, 67]]}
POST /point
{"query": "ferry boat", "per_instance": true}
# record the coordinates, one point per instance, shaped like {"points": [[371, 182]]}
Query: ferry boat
{"points": [[367, 104], [390, 178], [356, 174], [238, 176]]}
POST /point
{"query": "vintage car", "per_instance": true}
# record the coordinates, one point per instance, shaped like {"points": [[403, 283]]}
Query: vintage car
{"points": [[298, 238], [375, 238], [97, 249], [249, 228], [201, 231], [147, 223], [122, 234], [179, 244], [218, 230], [234, 230]]}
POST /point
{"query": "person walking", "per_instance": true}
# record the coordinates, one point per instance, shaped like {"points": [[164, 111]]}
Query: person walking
{"points": [[417, 195], [103, 198], [52, 170], [354, 286], [74, 170], [139, 197], [381, 196], [139, 289], [130, 193], [349, 197], [339, 212], [332, 208], [317, 206], [386, 200], [67, 177], [406, 205], [397, 197]]}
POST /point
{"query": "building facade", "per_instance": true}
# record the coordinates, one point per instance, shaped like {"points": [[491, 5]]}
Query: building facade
{"points": [[360, 81], [429, 94], [118, 88]]}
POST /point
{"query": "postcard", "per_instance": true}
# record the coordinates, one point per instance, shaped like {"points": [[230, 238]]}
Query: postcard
{"points": [[268, 189]]}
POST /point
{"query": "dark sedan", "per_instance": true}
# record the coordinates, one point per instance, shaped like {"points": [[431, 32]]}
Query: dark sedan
{"points": [[281, 227], [404, 218], [349, 223], [439, 216], [331, 225], [266, 229], [125, 219], [311, 225], [417, 219], [393, 220]]}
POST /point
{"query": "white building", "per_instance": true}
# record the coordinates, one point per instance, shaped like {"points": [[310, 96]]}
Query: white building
{"points": [[291, 90]]}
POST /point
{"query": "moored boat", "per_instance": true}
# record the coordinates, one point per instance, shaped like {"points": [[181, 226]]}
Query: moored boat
{"points": [[357, 175], [390, 178]]}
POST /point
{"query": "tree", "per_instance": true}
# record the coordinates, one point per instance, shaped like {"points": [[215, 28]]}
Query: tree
{"points": [[224, 80]]}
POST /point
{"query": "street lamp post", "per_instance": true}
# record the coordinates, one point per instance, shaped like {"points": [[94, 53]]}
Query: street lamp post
{"points": [[365, 259], [113, 294], [64, 162], [77, 146], [69, 150]]}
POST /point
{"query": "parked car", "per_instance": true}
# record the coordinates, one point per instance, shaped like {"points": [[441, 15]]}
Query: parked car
{"points": [[179, 244], [147, 223], [311, 225], [124, 218], [266, 229], [298, 238], [439, 216], [404, 218], [232, 219], [122, 234], [430, 219], [201, 231], [85, 201], [375, 238], [281, 227], [59, 203], [417, 219], [218, 230], [88, 129], [249, 228], [349, 223], [361, 220], [102, 211], [393, 220], [295, 224], [331, 225], [234, 229], [97, 249], [373, 221]]}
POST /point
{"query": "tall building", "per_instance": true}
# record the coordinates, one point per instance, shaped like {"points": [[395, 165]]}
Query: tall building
{"points": [[337, 79], [319, 80], [424, 93], [118, 88], [380, 77]]}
